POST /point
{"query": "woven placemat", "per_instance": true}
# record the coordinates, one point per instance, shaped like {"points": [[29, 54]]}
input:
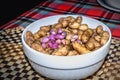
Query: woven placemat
{"points": [[14, 64]]}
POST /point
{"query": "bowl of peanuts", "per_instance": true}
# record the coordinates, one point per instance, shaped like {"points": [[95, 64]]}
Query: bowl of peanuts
{"points": [[66, 46]]}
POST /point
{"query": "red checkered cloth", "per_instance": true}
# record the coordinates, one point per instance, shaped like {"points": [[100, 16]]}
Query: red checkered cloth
{"points": [[54, 7]]}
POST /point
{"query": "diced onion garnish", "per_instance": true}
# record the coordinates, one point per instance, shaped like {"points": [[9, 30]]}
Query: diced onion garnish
{"points": [[45, 39], [54, 39]]}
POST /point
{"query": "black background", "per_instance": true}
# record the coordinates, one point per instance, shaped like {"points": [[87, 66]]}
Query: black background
{"points": [[10, 9]]}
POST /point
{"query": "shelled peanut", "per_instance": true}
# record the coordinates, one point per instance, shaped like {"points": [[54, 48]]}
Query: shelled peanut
{"points": [[67, 37]]}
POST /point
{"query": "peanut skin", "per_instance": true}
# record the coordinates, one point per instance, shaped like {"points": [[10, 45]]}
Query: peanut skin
{"points": [[89, 45], [104, 38], [58, 25], [72, 53], [74, 25], [37, 47], [80, 32], [29, 35], [99, 29], [62, 51], [83, 27], [81, 49], [45, 28], [36, 36], [29, 38], [41, 33], [29, 42], [78, 19], [70, 19]]}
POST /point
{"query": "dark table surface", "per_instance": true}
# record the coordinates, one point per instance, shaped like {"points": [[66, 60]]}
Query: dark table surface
{"points": [[11, 9]]}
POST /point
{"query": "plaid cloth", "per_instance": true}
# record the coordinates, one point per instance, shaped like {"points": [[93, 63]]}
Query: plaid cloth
{"points": [[55, 7]]}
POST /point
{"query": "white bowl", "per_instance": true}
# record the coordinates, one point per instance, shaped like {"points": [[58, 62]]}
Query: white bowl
{"points": [[65, 67]]}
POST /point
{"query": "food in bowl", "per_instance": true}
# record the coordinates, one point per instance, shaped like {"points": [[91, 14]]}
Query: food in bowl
{"points": [[65, 67], [68, 37]]}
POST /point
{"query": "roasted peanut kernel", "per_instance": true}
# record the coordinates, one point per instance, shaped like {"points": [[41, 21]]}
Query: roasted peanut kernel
{"points": [[67, 42], [99, 29], [96, 43], [62, 51], [58, 25], [78, 19], [90, 45], [41, 33], [36, 36], [90, 31], [29, 35], [69, 36], [97, 38], [29, 42], [105, 33], [84, 38], [80, 32], [81, 49], [74, 25], [45, 28], [74, 31], [61, 19], [104, 40], [83, 27], [37, 47], [48, 51], [65, 23], [72, 53], [70, 19]]}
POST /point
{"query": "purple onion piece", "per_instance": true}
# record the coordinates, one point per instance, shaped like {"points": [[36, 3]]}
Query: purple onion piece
{"points": [[78, 41], [52, 37], [58, 41], [50, 44], [44, 45], [63, 41], [60, 30], [75, 36], [54, 46], [64, 33], [53, 32], [73, 39], [59, 36], [45, 39]]}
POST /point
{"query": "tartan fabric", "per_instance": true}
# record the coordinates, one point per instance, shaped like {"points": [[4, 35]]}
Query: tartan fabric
{"points": [[55, 7]]}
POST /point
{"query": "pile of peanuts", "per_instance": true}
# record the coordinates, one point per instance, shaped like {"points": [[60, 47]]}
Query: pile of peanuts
{"points": [[75, 38]]}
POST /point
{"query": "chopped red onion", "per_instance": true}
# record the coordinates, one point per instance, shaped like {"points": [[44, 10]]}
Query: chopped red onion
{"points": [[54, 46], [75, 36], [59, 36], [73, 39], [63, 33], [60, 30], [58, 41], [52, 37], [44, 45], [78, 41], [50, 44], [53, 32], [63, 41], [45, 39]]}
